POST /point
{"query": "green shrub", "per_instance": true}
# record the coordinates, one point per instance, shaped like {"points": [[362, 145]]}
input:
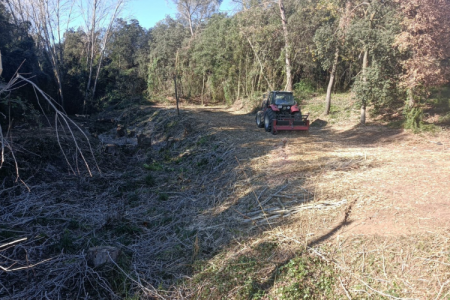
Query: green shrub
{"points": [[304, 88]]}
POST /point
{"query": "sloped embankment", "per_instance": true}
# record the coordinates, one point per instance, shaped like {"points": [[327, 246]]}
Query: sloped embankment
{"points": [[142, 209]]}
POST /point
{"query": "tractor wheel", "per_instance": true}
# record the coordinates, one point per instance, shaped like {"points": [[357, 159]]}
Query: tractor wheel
{"points": [[259, 122], [273, 131], [268, 119]]}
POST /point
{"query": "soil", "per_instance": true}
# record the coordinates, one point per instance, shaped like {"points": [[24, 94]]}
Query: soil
{"points": [[403, 190]]}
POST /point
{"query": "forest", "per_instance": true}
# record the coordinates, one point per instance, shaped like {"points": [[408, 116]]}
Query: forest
{"points": [[387, 53], [131, 166]]}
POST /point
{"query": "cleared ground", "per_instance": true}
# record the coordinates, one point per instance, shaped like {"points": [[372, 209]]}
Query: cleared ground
{"points": [[371, 201], [213, 207]]}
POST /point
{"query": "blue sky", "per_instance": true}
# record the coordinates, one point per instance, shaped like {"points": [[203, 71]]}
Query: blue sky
{"points": [[149, 12]]}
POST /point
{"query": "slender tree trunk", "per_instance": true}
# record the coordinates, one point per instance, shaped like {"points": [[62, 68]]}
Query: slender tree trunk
{"points": [[58, 79], [286, 48], [105, 42], [246, 76], [364, 71], [203, 88], [239, 80], [330, 84], [91, 55], [190, 25], [176, 92], [411, 100], [260, 64]]}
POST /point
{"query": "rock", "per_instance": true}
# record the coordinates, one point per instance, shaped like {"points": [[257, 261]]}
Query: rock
{"points": [[98, 256]]}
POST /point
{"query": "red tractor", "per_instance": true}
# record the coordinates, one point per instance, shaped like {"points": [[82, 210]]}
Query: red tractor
{"points": [[280, 112]]}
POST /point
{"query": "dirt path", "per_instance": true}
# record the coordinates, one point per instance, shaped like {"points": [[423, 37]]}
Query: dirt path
{"points": [[399, 181]]}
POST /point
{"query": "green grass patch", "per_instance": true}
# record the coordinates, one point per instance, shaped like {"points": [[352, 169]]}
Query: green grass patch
{"points": [[154, 166], [239, 272], [305, 277]]}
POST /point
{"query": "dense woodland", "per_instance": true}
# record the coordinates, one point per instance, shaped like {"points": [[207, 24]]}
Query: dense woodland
{"points": [[388, 53]]}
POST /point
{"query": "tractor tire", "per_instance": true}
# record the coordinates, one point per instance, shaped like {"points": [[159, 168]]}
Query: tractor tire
{"points": [[259, 122], [297, 116], [268, 119], [273, 131]]}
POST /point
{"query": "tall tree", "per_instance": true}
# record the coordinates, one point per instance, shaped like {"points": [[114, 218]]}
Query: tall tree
{"points": [[426, 37], [287, 50], [99, 17], [373, 32], [329, 39], [194, 12]]}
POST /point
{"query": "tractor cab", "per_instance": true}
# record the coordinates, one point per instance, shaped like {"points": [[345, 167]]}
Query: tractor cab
{"points": [[282, 98]]}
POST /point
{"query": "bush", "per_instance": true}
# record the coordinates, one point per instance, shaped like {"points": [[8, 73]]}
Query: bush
{"points": [[304, 88]]}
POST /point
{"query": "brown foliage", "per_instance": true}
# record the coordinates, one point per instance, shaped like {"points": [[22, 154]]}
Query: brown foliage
{"points": [[426, 35]]}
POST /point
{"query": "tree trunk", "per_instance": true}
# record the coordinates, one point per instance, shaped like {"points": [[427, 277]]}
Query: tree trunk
{"points": [[105, 41], [330, 84], [260, 64], [239, 80], [286, 48], [246, 76], [190, 25], [203, 88], [176, 93], [364, 70], [411, 100], [92, 50], [58, 79]]}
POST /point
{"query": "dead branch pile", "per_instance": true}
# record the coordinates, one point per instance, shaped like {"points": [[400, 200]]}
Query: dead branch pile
{"points": [[152, 203]]}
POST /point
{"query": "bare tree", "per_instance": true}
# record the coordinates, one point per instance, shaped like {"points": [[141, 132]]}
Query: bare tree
{"points": [[49, 20], [194, 12], [97, 15]]}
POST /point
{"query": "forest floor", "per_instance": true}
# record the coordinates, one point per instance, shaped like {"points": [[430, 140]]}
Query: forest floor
{"points": [[218, 208]]}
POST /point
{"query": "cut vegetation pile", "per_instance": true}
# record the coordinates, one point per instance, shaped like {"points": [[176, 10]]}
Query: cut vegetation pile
{"points": [[144, 203]]}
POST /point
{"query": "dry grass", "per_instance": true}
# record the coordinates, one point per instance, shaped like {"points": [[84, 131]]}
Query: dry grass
{"points": [[223, 209]]}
